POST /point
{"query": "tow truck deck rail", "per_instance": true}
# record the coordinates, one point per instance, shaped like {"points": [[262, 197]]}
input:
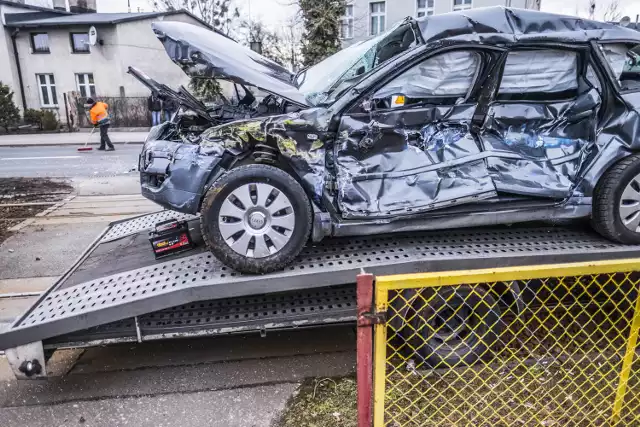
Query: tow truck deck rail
{"points": [[117, 290]]}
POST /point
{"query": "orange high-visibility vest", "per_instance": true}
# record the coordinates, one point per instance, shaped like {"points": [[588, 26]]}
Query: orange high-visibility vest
{"points": [[99, 113]]}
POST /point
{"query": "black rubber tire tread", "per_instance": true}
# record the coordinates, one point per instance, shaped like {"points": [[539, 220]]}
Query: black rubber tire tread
{"points": [[255, 173], [478, 346], [605, 218]]}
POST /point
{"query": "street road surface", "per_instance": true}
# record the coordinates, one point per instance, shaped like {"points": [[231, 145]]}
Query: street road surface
{"points": [[67, 162]]}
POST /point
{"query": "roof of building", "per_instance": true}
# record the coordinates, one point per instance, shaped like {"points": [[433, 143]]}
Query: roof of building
{"points": [[501, 24], [92, 19], [30, 7]]}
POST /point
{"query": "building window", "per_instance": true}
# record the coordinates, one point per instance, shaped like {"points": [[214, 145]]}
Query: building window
{"points": [[461, 4], [377, 14], [48, 95], [80, 43], [40, 42], [424, 8], [86, 85], [346, 23]]}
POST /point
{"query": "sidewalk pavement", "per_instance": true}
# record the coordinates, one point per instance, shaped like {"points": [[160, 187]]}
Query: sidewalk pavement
{"points": [[76, 138]]}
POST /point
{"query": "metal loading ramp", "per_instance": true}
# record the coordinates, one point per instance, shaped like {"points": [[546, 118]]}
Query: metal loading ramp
{"points": [[118, 289]]}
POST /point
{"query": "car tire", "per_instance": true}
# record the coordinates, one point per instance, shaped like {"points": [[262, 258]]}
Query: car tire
{"points": [[278, 236], [616, 202], [472, 312]]}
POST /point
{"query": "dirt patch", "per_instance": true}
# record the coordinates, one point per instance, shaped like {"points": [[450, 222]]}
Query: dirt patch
{"points": [[322, 402], [17, 191], [29, 190]]}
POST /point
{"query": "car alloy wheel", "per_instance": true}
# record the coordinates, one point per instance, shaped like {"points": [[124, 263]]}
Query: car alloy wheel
{"points": [[256, 220], [629, 207]]}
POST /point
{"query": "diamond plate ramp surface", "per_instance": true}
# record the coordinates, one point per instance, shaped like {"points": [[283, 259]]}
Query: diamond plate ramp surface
{"points": [[146, 222], [337, 261]]}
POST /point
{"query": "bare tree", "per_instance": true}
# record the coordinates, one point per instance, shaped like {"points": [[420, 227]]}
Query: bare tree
{"points": [[291, 42], [282, 46], [217, 13], [612, 11], [605, 10]]}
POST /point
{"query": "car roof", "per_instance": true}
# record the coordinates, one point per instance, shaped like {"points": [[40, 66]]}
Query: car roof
{"points": [[504, 25]]}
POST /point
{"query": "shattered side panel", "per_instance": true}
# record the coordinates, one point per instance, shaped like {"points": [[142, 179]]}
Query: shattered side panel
{"points": [[299, 138], [618, 137], [549, 143], [407, 162]]}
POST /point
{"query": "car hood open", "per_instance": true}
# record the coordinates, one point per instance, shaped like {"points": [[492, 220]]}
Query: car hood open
{"points": [[208, 54]]}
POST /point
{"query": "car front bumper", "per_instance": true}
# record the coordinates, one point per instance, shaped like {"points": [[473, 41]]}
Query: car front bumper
{"points": [[175, 175]]}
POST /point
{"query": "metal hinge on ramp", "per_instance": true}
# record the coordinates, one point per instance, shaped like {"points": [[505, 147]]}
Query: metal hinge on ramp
{"points": [[370, 319]]}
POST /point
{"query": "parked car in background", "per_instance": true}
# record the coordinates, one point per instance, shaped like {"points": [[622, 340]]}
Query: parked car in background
{"points": [[471, 118]]}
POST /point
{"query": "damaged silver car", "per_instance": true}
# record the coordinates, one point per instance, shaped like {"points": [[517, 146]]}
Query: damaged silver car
{"points": [[471, 118]]}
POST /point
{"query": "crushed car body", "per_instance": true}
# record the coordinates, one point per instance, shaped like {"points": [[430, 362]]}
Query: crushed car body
{"points": [[478, 117]]}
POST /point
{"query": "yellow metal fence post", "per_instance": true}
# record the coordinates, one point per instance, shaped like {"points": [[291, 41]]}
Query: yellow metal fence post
{"points": [[627, 363], [380, 357]]}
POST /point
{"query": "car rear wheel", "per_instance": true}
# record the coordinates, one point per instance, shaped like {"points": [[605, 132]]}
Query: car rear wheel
{"points": [[616, 205], [256, 219], [456, 326]]}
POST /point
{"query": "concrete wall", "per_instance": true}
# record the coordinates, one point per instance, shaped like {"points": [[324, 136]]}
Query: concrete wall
{"points": [[400, 9], [125, 44], [8, 69]]}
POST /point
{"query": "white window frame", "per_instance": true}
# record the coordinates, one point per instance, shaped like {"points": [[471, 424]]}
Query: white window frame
{"points": [[86, 84], [378, 15], [48, 86], [347, 19], [428, 10], [467, 4]]}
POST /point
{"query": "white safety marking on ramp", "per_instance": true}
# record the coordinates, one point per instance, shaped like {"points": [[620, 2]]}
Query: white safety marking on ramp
{"points": [[40, 158]]}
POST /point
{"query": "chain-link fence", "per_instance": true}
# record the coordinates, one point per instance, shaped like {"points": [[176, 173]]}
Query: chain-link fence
{"points": [[532, 346], [124, 112]]}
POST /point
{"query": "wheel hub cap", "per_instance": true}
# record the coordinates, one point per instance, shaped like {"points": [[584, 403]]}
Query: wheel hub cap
{"points": [[256, 220], [629, 206]]}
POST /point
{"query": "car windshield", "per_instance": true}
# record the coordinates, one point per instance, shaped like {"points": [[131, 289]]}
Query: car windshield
{"points": [[322, 83]]}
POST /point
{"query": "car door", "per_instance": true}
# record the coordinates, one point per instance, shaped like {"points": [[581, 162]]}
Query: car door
{"points": [[410, 147], [542, 123]]}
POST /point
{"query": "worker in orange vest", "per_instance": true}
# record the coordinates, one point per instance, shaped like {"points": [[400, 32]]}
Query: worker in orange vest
{"points": [[100, 117]]}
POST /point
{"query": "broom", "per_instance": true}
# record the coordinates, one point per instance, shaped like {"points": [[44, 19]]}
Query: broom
{"points": [[85, 147]]}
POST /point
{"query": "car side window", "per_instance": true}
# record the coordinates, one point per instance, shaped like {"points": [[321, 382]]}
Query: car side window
{"points": [[539, 75], [444, 79], [624, 63]]}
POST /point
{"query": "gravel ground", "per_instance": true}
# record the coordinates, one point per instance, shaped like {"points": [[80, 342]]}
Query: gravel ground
{"points": [[15, 191]]}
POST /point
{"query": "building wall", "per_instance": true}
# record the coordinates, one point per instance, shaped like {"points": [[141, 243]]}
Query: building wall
{"points": [[8, 69], [139, 47], [125, 44], [397, 10]]}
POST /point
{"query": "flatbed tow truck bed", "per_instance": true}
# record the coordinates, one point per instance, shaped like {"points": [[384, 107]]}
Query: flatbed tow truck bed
{"points": [[118, 292]]}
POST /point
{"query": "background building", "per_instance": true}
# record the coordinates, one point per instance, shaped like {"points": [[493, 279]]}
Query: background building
{"points": [[49, 53], [367, 18]]}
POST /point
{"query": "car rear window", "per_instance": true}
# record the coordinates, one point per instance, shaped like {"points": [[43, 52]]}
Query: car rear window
{"points": [[624, 62], [539, 72]]}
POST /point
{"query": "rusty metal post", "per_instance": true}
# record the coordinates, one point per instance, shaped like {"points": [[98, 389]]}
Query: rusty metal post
{"points": [[364, 292]]}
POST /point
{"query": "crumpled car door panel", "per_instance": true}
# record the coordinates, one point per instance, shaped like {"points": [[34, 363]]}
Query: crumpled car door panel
{"points": [[549, 141], [409, 162]]}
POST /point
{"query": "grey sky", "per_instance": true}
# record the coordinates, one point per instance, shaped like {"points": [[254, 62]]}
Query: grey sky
{"points": [[275, 12], [272, 12]]}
